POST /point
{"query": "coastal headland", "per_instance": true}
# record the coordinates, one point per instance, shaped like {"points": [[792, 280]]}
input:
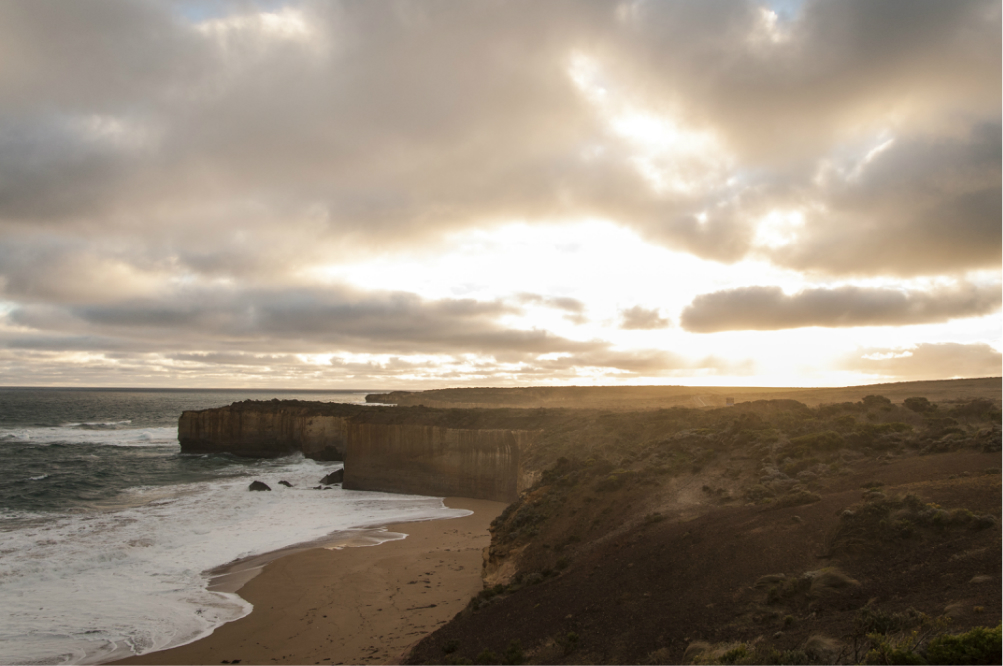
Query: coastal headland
{"points": [[865, 528]]}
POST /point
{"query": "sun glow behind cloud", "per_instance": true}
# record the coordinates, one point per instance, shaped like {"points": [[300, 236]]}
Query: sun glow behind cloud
{"points": [[293, 193], [671, 157], [610, 269]]}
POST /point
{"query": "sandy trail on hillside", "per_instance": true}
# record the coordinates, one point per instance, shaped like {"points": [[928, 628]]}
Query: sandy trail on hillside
{"points": [[357, 605]]}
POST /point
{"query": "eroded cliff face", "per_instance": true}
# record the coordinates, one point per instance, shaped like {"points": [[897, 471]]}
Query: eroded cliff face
{"points": [[432, 460], [385, 449], [263, 431]]}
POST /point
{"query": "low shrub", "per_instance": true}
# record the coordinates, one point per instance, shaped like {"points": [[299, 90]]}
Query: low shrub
{"points": [[487, 657], [513, 653], [872, 401], [920, 405], [880, 519], [870, 620], [829, 580], [788, 587], [570, 643], [615, 481], [981, 645], [816, 442], [799, 498], [660, 656], [979, 408], [758, 493]]}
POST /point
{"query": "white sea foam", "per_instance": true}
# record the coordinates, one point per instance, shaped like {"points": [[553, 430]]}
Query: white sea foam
{"points": [[72, 434], [87, 588], [97, 424]]}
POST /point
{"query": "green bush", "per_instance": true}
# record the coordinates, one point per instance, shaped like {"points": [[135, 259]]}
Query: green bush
{"points": [[876, 401], [793, 468], [886, 653], [979, 407], [871, 620], [981, 645], [513, 653], [486, 657], [758, 493], [920, 405], [570, 643], [615, 481], [736, 655], [816, 442]]}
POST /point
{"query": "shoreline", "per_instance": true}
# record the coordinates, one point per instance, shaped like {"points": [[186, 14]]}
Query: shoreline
{"points": [[343, 601]]}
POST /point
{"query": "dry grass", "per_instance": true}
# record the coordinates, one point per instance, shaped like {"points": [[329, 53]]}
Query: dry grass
{"points": [[656, 397]]}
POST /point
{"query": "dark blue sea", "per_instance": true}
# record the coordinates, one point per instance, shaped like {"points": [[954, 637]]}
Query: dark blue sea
{"points": [[108, 532]]}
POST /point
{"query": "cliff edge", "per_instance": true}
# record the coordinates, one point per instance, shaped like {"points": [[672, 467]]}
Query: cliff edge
{"points": [[273, 429], [384, 449]]}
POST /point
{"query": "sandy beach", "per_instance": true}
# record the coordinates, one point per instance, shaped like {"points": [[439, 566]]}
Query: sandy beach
{"points": [[353, 605]]}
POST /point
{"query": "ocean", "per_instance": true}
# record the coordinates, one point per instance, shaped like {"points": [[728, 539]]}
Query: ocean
{"points": [[108, 532]]}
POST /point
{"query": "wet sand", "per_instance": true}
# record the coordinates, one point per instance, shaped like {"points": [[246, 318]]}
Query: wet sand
{"points": [[354, 605]]}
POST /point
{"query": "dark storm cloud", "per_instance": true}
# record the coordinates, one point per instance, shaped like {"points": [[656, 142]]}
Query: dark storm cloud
{"points": [[638, 318], [768, 308], [376, 123], [929, 361]]}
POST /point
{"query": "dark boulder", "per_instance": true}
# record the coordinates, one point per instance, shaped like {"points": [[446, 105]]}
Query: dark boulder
{"points": [[336, 476], [286, 484], [258, 485]]}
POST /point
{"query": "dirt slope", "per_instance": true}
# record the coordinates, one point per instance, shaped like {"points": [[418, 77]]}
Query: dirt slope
{"points": [[652, 590]]}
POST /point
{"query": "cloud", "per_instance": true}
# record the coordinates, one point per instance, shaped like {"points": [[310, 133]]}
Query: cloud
{"points": [[928, 361], [356, 125], [642, 363], [638, 318], [298, 319], [768, 308], [175, 183], [561, 303], [574, 308], [235, 359], [916, 205]]}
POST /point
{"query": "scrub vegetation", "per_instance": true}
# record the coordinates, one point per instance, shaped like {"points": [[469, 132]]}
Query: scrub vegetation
{"points": [[768, 532]]}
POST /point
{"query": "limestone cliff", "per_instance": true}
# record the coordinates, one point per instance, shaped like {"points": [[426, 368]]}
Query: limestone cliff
{"points": [[403, 450], [268, 429], [432, 460]]}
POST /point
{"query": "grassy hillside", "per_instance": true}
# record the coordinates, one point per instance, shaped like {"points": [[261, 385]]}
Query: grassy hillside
{"points": [[771, 532]]}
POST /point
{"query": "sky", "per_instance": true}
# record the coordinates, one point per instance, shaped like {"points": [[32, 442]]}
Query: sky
{"points": [[410, 195]]}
